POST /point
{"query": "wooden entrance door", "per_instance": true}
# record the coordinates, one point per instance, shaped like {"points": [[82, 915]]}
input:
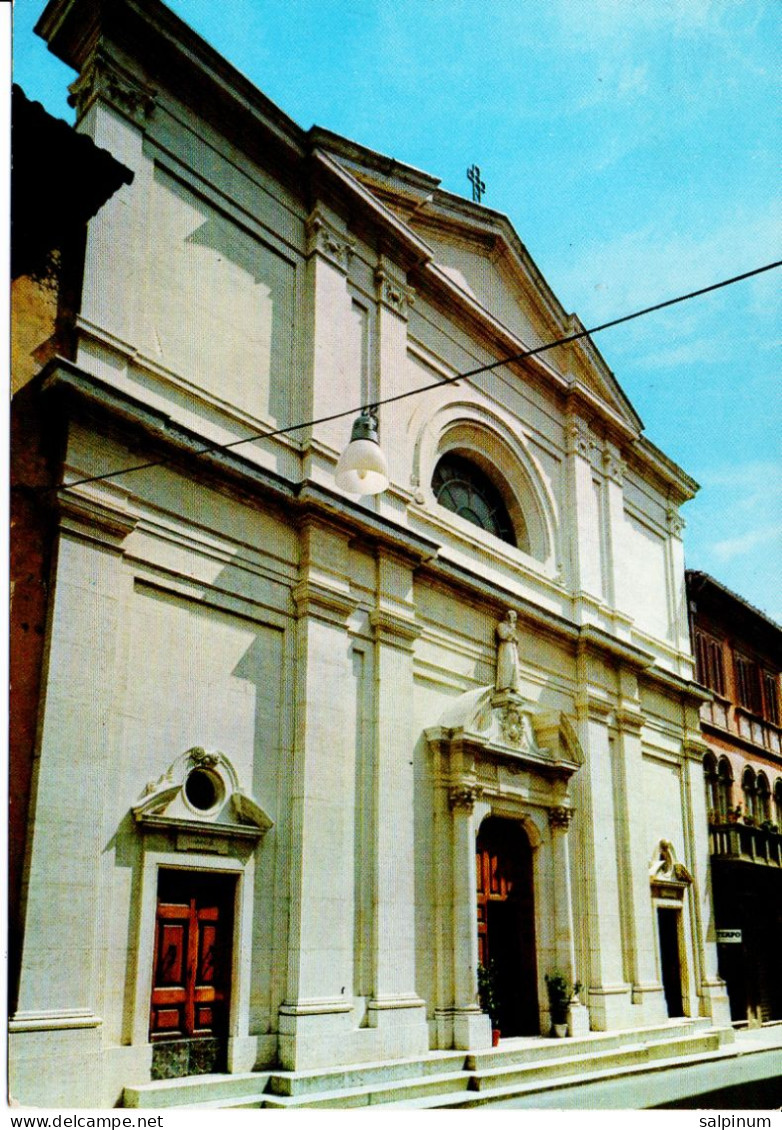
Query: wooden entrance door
{"points": [[506, 922], [192, 964]]}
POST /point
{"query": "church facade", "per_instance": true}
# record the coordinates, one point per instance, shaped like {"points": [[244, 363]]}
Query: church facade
{"points": [[307, 763]]}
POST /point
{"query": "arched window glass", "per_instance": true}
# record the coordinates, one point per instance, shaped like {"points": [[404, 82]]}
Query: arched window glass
{"points": [[711, 781], [725, 787], [778, 803], [763, 795], [750, 795], [463, 487]]}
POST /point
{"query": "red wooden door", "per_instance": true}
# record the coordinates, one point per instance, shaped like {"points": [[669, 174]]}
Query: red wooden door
{"points": [[506, 922], [191, 972]]}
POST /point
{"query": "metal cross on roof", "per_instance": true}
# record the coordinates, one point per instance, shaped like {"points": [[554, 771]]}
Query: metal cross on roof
{"points": [[478, 186]]}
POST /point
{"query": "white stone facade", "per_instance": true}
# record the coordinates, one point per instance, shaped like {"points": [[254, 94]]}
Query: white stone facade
{"points": [[335, 657]]}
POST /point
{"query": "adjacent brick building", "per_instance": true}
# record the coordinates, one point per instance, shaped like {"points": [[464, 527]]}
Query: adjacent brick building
{"points": [[738, 654]]}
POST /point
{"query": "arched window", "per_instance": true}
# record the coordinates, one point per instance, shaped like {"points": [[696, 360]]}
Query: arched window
{"points": [[724, 787], [749, 791], [460, 485], [778, 803], [711, 781], [763, 798]]}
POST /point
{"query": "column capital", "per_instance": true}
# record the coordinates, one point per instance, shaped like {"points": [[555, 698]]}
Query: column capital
{"points": [[324, 239], [464, 795], [397, 631], [674, 521], [392, 293], [322, 602], [613, 466], [104, 78], [560, 817]]}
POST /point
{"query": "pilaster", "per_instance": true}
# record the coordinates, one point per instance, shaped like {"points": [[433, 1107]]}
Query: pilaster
{"points": [[618, 577], [559, 819], [330, 249], [317, 1013], [114, 108], [677, 598], [64, 911], [471, 1027], [393, 299], [395, 1008], [585, 516], [639, 928], [597, 852]]}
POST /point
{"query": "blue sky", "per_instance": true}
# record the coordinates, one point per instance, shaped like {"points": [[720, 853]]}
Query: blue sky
{"points": [[633, 147]]}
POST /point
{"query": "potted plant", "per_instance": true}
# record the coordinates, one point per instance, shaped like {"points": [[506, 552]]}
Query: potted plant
{"points": [[560, 994], [734, 814], [487, 994]]}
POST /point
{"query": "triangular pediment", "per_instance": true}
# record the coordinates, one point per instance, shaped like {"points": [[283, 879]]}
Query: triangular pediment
{"points": [[481, 255]]}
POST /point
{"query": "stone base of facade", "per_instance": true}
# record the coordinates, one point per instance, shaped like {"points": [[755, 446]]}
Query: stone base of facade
{"points": [[610, 1007], [578, 1020], [471, 1030], [315, 1035], [55, 1067], [714, 1002]]}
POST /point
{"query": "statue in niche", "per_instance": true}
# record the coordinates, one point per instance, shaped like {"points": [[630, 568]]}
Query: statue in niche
{"points": [[507, 678]]}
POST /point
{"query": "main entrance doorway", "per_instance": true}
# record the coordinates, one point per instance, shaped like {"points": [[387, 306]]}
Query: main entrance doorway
{"points": [[191, 978], [506, 922]]}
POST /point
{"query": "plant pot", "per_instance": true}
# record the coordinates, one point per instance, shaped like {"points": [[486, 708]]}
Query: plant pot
{"points": [[560, 1031], [495, 1037]]}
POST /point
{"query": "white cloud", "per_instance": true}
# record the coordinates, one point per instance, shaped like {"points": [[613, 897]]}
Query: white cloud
{"points": [[743, 544], [654, 263]]}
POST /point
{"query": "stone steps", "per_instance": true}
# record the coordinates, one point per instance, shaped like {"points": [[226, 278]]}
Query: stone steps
{"points": [[219, 1090], [518, 1068], [567, 1091]]}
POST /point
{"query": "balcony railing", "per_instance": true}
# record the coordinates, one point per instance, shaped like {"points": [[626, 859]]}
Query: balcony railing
{"points": [[736, 720], [745, 843]]}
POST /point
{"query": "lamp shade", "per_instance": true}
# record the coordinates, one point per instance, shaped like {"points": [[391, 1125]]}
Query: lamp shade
{"points": [[362, 468]]}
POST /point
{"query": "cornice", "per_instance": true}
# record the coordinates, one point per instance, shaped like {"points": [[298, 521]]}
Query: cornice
{"points": [[322, 602], [396, 631], [324, 239], [596, 640], [82, 391], [93, 520], [104, 78]]}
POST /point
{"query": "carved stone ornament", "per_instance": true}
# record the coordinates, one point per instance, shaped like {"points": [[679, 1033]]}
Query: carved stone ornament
{"points": [[464, 796], [675, 522], [516, 727], [328, 242], [200, 792], [560, 816], [104, 78], [579, 439], [613, 467], [393, 294], [666, 875]]}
